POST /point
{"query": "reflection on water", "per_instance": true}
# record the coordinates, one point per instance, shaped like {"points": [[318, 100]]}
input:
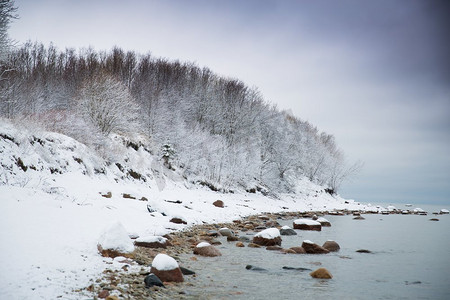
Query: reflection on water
{"points": [[406, 249]]}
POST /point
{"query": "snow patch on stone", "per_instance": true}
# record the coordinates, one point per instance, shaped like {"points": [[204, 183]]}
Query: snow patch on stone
{"points": [[306, 222], [286, 227], [203, 244], [308, 242], [163, 262], [151, 239], [116, 238], [270, 233]]}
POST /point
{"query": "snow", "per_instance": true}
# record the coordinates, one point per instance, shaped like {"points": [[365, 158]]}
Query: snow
{"points": [[52, 221], [418, 209], [269, 233], [306, 222], [286, 227], [116, 238], [203, 244], [152, 239], [444, 211], [164, 262], [391, 208], [308, 242], [322, 219]]}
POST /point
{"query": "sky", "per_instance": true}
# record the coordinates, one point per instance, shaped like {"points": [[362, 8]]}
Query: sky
{"points": [[375, 74]]}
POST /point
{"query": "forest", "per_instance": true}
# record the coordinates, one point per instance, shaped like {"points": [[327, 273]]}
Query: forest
{"points": [[211, 129]]}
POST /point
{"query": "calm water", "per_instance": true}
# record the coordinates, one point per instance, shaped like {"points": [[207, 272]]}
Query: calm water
{"points": [[406, 249]]}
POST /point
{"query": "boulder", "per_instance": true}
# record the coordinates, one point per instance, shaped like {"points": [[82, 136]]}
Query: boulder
{"points": [[268, 237], [152, 280], [115, 242], [166, 269], [359, 218], [274, 248], [444, 211], [206, 249], [103, 294], [218, 203], [151, 242], [331, 246], [321, 273], [286, 230], [240, 244], [214, 233], [253, 245], [185, 271], [363, 251], [226, 232], [253, 268], [324, 222], [244, 239], [177, 220], [434, 219], [312, 248], [307, 224], [288, 251], [232, 238], [298, 250]]}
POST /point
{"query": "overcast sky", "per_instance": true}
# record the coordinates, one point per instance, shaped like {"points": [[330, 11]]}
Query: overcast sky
{"points": [[376, 74]]}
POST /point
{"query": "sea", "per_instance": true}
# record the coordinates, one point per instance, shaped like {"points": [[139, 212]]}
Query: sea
{"points": [[409, 259]]}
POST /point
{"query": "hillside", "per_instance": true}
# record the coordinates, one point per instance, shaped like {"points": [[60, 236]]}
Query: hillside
{"points": [[53, 212]]}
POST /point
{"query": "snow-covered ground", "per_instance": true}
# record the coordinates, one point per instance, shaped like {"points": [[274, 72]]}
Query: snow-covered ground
{"points": [[53, 210]]}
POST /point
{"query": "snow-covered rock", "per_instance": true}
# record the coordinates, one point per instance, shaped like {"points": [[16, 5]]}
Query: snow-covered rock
{"points": [[166, 268], [151, 242], [312, 248], [324, 222], [444, 211], [115, 241], [286, 230], [307, 224], [268, 237], [206, 249]]}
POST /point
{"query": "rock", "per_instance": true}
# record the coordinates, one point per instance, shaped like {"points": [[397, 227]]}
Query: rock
{"points": [[434, 219], [414, 282], [226, 232], [264, 217], [331, 246], [314, 218], [312, 248], [249, 226], [288, 251], [253, 245], [298, 250], [321, 273], [185, 271], [268, 237], [232, 238], [218, 203], [206, 249], [151, 242], [253, 268], [240, 244], [214, 233], [152, 280], [166, 269], [286, 230], [273, 248], [244, 239], [103, 294], [296, 269], [359, 218], [215, 242], [363, 251], [260, 227], [112, 298], [107, 195], [444, 211], [307, 224], [115, 242], [178, 221], [324, 222]]}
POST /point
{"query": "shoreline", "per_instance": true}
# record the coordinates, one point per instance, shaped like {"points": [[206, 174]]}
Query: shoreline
{"points": [[128, 284]]}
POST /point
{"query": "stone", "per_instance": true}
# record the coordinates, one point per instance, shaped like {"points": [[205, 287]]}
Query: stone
{"points": [[324, 222], [218, 203], [321, 273], [286, 230], [288, 251], [112, 298], [296, 269], [244, 239], [359, 218], [103, 294], [298, 250], [213, 233], [274, 248], [205, 249], [240, 244], [232, 238], [253, 245], [253, 268], [152, 280], [331, 246], [185, 271], [174, 275], [268, 237], [363, 251], [107, 195], [226, 232], [152, 242], [306, 224], [434, 219], [312, 248], [178, 221]]}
